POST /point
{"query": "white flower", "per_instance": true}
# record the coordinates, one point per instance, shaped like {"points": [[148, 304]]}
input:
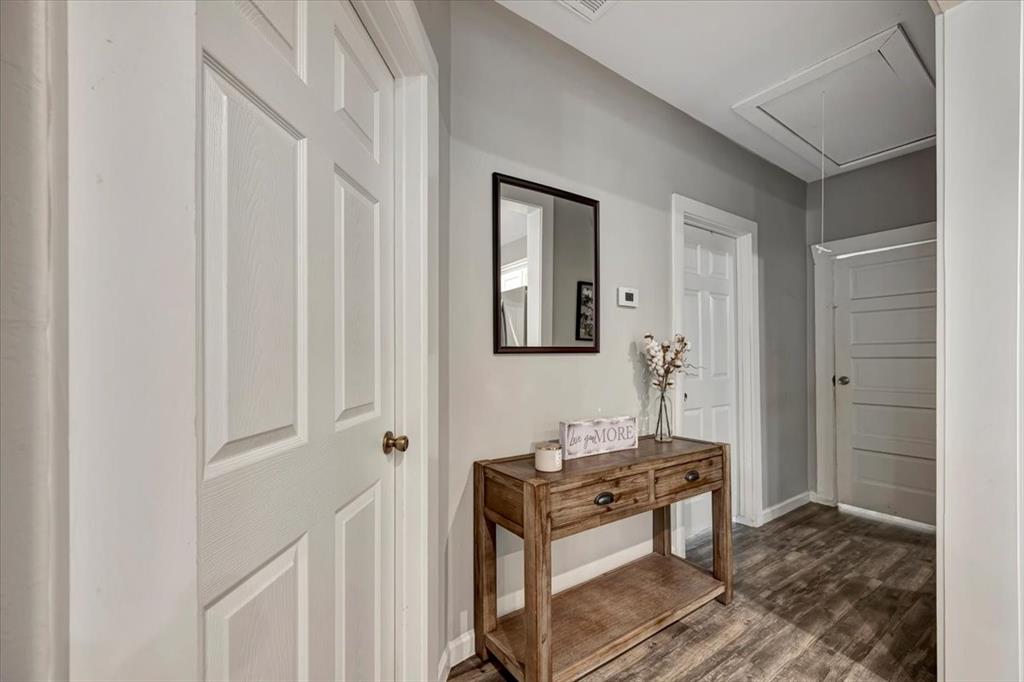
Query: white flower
{"points": [[664, 359]]}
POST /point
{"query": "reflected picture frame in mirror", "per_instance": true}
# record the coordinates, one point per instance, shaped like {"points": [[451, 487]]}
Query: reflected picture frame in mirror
{"points": [[523, 333]]}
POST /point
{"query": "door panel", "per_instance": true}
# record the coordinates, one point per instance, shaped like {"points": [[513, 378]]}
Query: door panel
{"points": [[255, 355], [709, 409], [282, 24], [357, 362], [296, 537], [259, 630], [358, 592], [885, 415]]}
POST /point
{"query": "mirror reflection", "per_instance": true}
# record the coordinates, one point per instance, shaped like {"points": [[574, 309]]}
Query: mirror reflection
{"points": [[546, 262]]}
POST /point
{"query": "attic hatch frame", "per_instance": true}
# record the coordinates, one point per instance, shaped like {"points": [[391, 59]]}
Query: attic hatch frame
{"points": [[753, 108]]}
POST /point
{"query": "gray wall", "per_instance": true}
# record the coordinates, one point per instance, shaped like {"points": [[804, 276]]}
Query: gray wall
{"points": [[574, 262], [887, 195], [526, 104]]}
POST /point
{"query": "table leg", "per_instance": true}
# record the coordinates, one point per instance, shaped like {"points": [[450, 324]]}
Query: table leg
{"points": [[721, 522], [537, 579], [662, 531], [485, 584]]}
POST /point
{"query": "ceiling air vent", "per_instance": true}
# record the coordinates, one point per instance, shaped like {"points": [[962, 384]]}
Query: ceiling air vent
{"points": [[590, 10]]}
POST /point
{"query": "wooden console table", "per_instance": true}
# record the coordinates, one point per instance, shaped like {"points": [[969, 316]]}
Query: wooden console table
{"points": [[565, 636]]}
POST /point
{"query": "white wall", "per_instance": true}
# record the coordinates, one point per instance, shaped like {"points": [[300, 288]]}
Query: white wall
{"points": [[132, 227], [981, 523], [33, 338], [578, 126]]}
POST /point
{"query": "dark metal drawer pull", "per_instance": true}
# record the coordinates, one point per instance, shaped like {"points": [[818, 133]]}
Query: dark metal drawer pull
{"points": [[692, 475], [604, 498]]}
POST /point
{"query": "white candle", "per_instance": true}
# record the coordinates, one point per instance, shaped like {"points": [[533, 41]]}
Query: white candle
{"points": [[548, 457]]}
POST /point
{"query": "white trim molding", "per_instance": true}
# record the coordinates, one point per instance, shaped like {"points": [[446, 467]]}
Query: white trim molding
{"points": [[782, 508], [818, 499], [747, 463], [444, 666], [885, 518], [942, 6], [398, 32], [462, 647], [900, 56], [459, 650], [511, 564], [825, 256]]}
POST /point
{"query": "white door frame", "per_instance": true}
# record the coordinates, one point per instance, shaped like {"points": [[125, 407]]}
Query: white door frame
{"points": [[824, 255], [397, 31], [747, 464], [133, 317]]}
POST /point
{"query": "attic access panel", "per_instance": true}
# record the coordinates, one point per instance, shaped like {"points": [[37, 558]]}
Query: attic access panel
{"points": [[879, 104]]}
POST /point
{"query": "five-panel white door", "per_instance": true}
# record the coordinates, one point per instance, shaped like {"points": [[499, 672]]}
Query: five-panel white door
{"points": [[296, 536], [885, 381], [709, 313]]}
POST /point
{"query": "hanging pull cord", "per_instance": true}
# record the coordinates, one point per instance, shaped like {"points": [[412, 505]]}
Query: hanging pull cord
{"points": [[821, 148]]}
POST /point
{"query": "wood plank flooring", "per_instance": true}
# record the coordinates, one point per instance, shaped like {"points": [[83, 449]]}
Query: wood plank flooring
{"points": [[820, 595]]}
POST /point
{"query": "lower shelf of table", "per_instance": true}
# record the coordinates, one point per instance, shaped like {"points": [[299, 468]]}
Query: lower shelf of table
{"points": [[596, 621]]}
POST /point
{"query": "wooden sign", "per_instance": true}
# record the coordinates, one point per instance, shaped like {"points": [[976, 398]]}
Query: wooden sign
{"points": [[594, 436]]}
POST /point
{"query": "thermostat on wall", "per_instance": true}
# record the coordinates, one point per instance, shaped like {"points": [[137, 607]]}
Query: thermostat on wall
{"points": [[628, 298]]}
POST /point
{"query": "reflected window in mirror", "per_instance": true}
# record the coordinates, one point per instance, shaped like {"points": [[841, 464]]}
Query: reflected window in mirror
{"points": [[545, 269]]}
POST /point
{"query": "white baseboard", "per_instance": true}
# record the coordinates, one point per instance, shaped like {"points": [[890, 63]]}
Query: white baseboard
{"points": [[463, 646], [513, 601], [443, 666], [459, 649], [783, 508], [821, 499], [886, 518], [745, 521]]}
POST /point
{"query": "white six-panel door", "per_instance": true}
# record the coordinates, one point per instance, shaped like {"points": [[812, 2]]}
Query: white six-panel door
{"points": [[709, 408], [885, 390], [296, 535]]}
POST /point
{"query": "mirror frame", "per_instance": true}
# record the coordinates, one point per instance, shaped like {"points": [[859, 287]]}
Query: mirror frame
{"points": [[499, 179]]}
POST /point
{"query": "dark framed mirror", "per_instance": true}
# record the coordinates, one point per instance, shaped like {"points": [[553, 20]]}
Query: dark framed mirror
{"points": [[546, 269]]}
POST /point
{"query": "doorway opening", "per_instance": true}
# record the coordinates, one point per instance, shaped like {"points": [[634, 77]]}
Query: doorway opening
{"points": [[875, 370], [718, 299]]}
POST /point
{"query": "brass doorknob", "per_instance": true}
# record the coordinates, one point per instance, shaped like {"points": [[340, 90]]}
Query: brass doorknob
{"points": [[393, 442]]}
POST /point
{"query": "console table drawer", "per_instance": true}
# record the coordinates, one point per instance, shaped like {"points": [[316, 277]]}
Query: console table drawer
{"points": [[576, 505], [674, 480]]}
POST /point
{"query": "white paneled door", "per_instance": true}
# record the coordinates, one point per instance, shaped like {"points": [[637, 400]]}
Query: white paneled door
{"points": [[709, 407], [885, 381], [296, 537]]}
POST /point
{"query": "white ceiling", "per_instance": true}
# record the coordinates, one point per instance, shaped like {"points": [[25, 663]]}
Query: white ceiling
{"points": [[707, 56]]}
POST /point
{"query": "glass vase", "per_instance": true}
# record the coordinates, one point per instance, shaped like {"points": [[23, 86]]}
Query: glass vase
{"points": [[663, 428]]}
